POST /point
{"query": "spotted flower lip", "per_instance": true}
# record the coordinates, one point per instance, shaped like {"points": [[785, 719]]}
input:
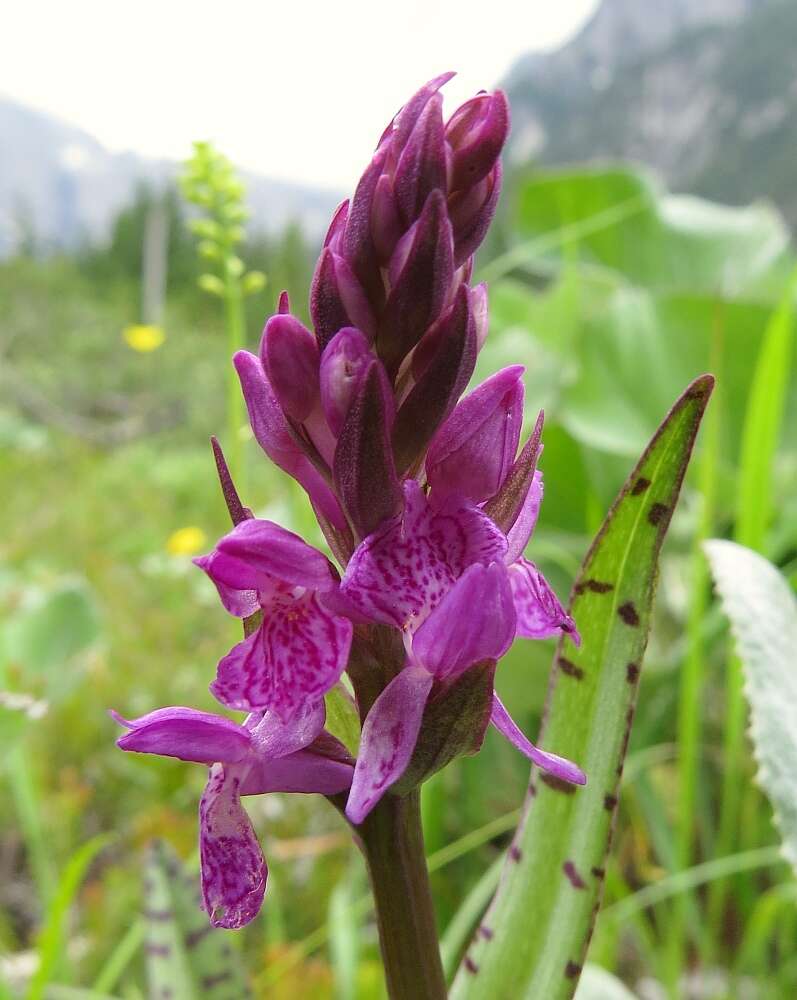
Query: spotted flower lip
{"points": [[300, 649], [262, 755]]}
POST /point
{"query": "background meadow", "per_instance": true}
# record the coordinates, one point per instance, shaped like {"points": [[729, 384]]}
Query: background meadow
{"points": [[614, 293]]}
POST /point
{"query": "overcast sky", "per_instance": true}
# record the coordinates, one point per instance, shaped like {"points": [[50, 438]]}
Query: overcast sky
{"points": [[293, 89]]}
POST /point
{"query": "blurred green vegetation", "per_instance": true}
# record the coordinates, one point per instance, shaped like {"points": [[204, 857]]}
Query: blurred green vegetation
{"points": [[614, 294]]}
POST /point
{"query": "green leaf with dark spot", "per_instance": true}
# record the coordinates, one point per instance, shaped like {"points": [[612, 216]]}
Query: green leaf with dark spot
{"points": [[542, 916], [184, 954]]}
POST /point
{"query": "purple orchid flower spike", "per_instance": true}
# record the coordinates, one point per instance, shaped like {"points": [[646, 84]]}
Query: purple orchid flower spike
{"points": [[301, 648], [262, 755], [423, 499]]}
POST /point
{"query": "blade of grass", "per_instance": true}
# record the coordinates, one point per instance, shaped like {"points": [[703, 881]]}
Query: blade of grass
{"points": [[692, 675], [119, 959], [760, 436], [691, 878], [25, 793], [51, 942], [519, 255], [459, 930], [344, 935]]}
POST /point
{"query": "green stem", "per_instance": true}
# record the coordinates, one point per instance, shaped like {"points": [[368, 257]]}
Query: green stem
{"points": [[392, 841], [234, 311]]}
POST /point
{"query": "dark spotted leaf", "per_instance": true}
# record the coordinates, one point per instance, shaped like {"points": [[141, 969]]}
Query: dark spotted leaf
{"points": [[539, 924], [186, 958]]}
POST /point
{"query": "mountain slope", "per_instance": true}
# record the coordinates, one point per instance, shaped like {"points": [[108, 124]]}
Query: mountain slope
{"points": [[705, 93]]}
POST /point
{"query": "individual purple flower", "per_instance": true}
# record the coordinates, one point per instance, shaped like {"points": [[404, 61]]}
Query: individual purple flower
{"points": [[300, 648], [262, 755], [473, 455], [439, 574]]}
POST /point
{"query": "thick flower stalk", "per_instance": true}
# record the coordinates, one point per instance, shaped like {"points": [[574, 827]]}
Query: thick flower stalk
{"points": [[427, 502]]}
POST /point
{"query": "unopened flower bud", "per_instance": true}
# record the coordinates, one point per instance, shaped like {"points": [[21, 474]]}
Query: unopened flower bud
{"points": [[423, 284], [363, 470], [342, 364], [473, 451], [476, 133], [289, 353], [336, 227], [421, 168], [471, 211], [337, 299]]}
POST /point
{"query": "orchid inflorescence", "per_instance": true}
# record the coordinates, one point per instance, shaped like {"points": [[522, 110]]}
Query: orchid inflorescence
{"points": [[423, 499]]}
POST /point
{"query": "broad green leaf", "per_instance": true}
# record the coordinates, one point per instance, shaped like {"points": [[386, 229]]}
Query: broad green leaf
{"points": [[763, 614], [763, 421], [184, 953], [168, 969], [657, 239], [51, 628], [539, 924]]}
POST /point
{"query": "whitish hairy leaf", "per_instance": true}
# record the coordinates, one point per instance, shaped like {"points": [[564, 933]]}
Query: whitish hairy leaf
{"points": [[763, 614], [598, 984]]}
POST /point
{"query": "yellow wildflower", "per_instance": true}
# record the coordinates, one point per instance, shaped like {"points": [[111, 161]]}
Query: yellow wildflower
{"points": [[144, 337], [186, 541]]}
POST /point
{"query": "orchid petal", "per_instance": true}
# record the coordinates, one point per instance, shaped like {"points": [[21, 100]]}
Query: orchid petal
{"points": [[400, 572], [303, 771], [388, 739], [273, 551], [474, 621], [292, 660], [233, 867], [273, 738], [237, 601], [559, 767], [187, 734], [521, 531], [539, 613]]}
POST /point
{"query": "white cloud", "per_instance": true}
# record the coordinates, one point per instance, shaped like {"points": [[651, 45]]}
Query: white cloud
{"points": [[299, 90]]}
